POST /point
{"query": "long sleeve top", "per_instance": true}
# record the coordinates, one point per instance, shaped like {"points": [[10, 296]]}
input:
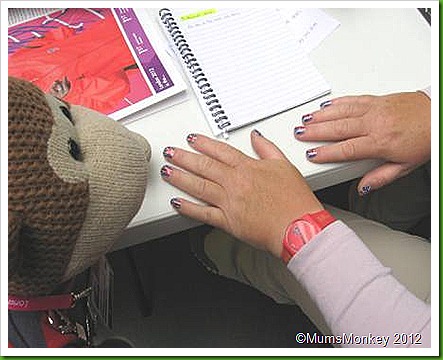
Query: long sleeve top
{"points": [[361, 301]]}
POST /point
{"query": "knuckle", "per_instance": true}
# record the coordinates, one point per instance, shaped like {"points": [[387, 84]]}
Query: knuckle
{"points": [[208, 217], [201, 189], [356, 106], [348, 150], [341, 129], [206, 164], [348, 109]]}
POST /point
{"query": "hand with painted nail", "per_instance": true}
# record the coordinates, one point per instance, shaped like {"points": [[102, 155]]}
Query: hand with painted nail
{"points": [[253, 199], [395, 128]]}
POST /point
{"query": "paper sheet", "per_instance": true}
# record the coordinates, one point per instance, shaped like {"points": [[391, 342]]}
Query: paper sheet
{"points": [[309, 26]]}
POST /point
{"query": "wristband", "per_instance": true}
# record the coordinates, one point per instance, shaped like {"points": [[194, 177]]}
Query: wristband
{"points": [[300, 231]]}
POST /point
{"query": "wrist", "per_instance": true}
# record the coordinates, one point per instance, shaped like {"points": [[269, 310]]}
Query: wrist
{"points": [[301, 231]]}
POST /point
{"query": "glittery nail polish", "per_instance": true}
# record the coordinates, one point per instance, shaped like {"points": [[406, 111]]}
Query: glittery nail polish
{"points": [[168, 152], [176, 203], [191, 138], [325, 104], [311, 153], [365, 190], [166, 171], [299, 130], [306, 118]]}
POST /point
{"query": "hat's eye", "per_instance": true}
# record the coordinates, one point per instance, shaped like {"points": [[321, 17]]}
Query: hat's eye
{"points": [[74, 150], [67, 113]]}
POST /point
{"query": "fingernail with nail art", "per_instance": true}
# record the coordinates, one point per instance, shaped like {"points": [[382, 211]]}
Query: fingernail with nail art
{"points": [[168, 152], [325, 104], [299, 130], [256, 132], [311, 153], [166, 171], [365, 190], [191, 138], [306, 118], [176, 203]]}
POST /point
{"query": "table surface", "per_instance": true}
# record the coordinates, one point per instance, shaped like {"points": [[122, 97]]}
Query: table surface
{"points": [[374, 51]]}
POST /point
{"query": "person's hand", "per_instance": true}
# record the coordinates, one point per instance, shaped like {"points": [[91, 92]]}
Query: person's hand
{"points": [[252, 199], [395, 128]]}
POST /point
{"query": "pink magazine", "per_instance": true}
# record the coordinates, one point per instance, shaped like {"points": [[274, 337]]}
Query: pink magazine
{"points": [[104, 59]]}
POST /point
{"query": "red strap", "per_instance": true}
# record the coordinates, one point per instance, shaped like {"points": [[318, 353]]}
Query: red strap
{"points": [[321, 218], [65, 301]]}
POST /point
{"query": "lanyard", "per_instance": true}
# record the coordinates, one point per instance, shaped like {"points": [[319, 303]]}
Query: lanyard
{"points": [[64, 301]]}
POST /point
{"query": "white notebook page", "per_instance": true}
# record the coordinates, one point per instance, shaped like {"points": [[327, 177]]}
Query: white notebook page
{"points": [[252, 62]]}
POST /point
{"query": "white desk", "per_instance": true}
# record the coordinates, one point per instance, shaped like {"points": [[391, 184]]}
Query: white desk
{"points": [[374, 51]]}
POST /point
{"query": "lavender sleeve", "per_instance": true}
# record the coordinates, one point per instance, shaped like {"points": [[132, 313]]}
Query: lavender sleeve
{"points": [[355, 292]]}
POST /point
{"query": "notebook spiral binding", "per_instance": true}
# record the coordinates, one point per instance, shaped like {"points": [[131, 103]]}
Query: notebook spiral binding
{"points": [[211, 101]]}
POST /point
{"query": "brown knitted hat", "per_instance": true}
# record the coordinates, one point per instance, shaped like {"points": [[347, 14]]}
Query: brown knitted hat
{"points": [[45, 212]]}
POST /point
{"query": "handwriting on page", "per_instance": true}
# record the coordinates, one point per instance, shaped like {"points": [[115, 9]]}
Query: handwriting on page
{"points": [[309, 26], [206, 17], [251, 62], [198, 14]]}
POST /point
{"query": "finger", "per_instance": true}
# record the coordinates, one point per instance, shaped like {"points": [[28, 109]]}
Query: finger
{"points": [[218, 150], [340, 108], [381, 176], [348, 150], [206, 214], [264, 148], [341, 129], [195, 186], [198, 164]]}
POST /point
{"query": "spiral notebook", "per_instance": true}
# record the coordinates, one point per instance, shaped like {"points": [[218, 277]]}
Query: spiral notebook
{"points": [[244, 64]]}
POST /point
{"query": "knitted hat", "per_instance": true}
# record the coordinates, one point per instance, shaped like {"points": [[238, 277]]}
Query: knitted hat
{"points": [[76, 179], [45, 212]]}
